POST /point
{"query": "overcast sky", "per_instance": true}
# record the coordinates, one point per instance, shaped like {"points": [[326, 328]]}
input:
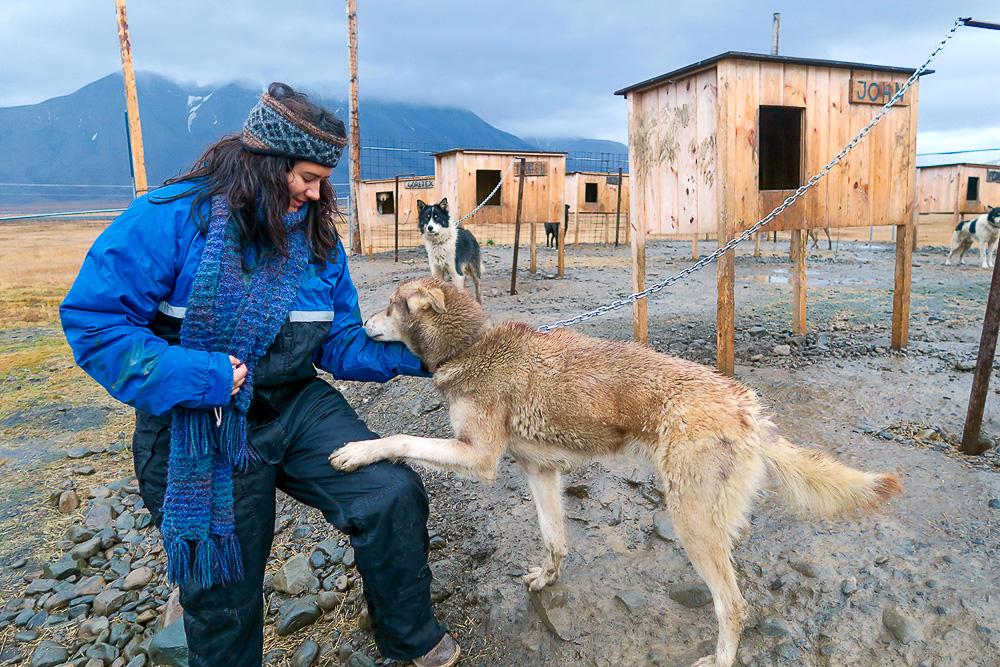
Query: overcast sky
{"points": [[538, 68]]}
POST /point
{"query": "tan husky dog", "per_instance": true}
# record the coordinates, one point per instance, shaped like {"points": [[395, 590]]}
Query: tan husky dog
{"points": [[556, 399]]}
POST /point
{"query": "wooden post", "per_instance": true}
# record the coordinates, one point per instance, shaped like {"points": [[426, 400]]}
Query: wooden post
{"points": [[694, 248], [984, 367], [901, 287], [561, 270], [139, 182], [800, 240], [576, 229], [517, 230], [395, 219], [640, 309], [352, 48], [756, 244], [618, 207], [725, 315], [533, 244]]}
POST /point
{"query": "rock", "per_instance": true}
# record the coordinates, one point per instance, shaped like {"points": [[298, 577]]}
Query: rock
{"points": [[757, 331], [317, 560], [691, 595], [26, 636], [59, 599], [348, 559], [781, 350], [580, 490], [663, 526], [100, 492], [804, 567], [788, 651], [306, 654], [94, 662], [169, 646], [328, 600], [100, 515], [84, 470], [965, 366], [994, 503], [86, 550], [436, 542], [137, 578], [297, 614], [143, 519], [40, 585], [328, 547], [849, 586], [19, 563], [359, 659], [49, 654], [68, 502], [90, 587], [92, 628], [137, 661], [125, 522], [78, 453], [294, 576], [634, 601], [902, 627], [77, 533], [342, 583], [64, 568], [173, 611], [774, 627], [108, 601], [552, 604]]}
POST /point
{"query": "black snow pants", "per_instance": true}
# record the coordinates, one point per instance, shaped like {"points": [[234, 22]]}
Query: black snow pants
{"points": [[382, 508]]}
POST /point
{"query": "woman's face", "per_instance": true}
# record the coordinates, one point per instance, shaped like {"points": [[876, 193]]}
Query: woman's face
{"points": [[303, 183]]}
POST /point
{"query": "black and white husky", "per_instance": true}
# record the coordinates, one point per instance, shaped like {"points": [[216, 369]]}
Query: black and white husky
{"points": [[984, 230], [451, 251]]}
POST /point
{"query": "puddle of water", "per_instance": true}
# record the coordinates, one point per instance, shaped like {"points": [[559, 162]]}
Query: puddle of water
{"points": [[782, 277]]}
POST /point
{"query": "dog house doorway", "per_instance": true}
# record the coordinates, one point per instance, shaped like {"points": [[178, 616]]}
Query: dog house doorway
{"points": [[780, 137], [486, 180]]}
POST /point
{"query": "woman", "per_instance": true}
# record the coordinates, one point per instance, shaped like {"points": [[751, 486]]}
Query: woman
{"points": [[207, 306]]}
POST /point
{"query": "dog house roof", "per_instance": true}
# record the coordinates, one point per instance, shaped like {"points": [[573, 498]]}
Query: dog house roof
{"points": [[500, 151], [761, 57]]}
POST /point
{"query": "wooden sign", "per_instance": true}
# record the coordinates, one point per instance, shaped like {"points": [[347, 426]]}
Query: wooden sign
{"points": [[993, 175], [865, 90], [530, 169], [613, 180], [426, 184]]}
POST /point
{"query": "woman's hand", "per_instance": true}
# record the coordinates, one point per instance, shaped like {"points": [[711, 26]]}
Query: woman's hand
{"points": [[239, 374]]}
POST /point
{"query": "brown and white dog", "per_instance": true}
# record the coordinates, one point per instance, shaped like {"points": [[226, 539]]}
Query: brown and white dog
{"points": [[984, 230], [556, 399]]}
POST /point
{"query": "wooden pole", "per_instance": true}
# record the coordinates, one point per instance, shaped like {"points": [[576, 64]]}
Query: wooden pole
{"points": [[395, 219], [517, 230], [576, 228], [618, 207], [533, 244], [139, 182], [901, 287], [562, 242], [640, 309], [984, 367], [775, 32], [352, 48], [725, 316], [800, 240], [694, 248]]}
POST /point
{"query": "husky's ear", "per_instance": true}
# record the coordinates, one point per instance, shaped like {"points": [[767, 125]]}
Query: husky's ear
{"points": [[443, 204], [420, 206], [426, 298]]}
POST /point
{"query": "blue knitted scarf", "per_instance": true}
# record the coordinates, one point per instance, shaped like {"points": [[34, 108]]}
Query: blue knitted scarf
{"points": [[236, 312]]}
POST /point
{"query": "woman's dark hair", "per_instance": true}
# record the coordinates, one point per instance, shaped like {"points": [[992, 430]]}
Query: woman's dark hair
{"points": [[226, 168]]}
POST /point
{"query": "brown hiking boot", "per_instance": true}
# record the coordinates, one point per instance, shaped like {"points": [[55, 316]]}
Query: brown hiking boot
{"points": [[445, 654]]}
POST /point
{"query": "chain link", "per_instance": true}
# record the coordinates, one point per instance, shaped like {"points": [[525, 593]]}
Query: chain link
{"points": [[489, 196], [791, 199]]}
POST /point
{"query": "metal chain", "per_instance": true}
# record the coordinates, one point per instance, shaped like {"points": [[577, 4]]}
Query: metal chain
{"points": [[489, 196], [791, 199]]}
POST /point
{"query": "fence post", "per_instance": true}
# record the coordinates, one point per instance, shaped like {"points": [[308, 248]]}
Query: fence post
{"points": [[534, 248], [984, 366], [138, 157], [576, 230], [618, 208], [561, 238], [395, 217], [517, 230]]}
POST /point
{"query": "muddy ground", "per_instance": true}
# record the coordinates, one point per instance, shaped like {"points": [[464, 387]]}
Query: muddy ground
{"points": [[914, 584]]}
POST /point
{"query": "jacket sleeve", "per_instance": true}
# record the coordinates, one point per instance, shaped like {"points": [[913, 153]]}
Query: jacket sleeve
{"points": [[348, 353], [108, 310]]}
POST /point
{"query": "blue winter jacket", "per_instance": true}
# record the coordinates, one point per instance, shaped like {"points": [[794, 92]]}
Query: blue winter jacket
{"points": [[123, 314]]}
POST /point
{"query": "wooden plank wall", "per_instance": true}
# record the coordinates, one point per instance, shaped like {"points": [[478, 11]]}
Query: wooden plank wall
{"points": [[543, 195], [872, 186], [672, 155], [943, 189], [607, 195]]}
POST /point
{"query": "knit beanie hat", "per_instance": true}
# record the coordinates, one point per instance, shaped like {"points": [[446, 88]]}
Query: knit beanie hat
{"points": [[274, 129]]}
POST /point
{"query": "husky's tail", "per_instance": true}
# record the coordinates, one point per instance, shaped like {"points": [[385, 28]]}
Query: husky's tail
{"points": [[812, 483]]}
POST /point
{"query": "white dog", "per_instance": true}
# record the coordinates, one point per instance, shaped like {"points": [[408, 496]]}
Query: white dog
{"points": [[984, 230]]}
